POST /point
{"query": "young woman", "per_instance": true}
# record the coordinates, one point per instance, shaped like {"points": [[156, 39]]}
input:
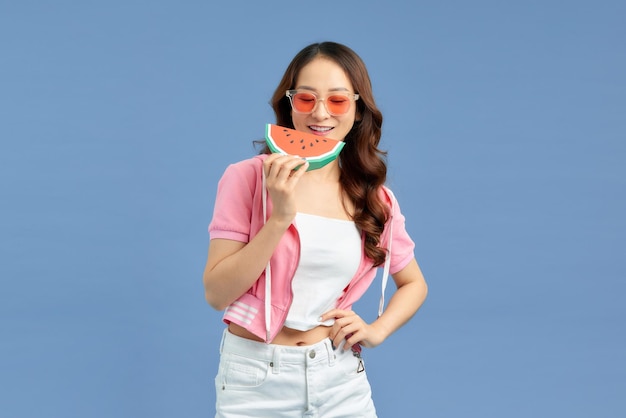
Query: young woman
{"points": [[291, 250]]}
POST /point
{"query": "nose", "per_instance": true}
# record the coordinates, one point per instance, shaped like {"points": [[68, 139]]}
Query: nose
{"points": [[319, 111]]}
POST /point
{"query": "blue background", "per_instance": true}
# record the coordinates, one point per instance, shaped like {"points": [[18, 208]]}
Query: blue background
{"points": [[505, 124]]}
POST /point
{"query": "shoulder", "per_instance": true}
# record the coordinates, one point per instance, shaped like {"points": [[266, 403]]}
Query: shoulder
{"points": [[248, 165], [387, 197], [246, 171]]}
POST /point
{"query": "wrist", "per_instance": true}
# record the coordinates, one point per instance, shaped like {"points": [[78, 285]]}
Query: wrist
{"points": [[279, 221], [381, 329]]}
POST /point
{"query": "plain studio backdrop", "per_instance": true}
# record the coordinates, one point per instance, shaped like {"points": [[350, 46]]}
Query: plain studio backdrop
{"points": [[505, 124]]}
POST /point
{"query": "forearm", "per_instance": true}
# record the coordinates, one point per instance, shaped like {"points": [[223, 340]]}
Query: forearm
{"points": [[404, 303], [409, 296], [231, 276]]}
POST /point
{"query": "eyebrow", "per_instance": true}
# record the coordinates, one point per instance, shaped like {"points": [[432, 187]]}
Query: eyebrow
{"points": [[314, 89]]}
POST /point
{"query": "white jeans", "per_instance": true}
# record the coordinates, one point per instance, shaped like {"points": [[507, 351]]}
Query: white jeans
{"points": [[266, 380]]}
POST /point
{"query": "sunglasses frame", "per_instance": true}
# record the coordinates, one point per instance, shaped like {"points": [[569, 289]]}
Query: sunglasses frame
{"points": [[291, 93]]}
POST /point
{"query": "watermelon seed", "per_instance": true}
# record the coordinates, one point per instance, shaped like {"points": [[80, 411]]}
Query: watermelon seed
{"points": [[304, 147], [311, 144]]}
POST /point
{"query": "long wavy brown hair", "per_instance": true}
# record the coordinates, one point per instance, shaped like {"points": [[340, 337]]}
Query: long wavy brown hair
{"points": [[362, 163]]}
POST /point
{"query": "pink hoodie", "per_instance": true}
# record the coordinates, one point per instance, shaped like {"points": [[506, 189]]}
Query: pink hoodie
{"points": [[241, 208]]}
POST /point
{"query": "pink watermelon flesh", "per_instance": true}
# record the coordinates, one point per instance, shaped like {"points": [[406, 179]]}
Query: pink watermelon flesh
{"points": [[318, 151]]}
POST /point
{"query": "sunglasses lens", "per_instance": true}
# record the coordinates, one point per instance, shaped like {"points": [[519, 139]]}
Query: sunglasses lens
{"points": [[304, 102], [338, 104]]}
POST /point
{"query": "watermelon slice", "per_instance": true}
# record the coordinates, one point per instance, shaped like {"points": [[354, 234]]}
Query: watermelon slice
{"points": [[317, 150]]}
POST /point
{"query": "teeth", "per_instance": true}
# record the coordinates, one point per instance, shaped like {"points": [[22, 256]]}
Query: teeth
{"points": [[320, 128]]}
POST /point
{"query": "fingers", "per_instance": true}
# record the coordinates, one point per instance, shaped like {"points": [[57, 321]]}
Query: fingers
{"points": [[282, 173], [349, 335], [332, 314], [348, 328], [299, 171], [281, 168]]}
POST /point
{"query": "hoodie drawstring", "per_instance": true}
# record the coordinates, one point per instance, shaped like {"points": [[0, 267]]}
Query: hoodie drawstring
{"points": [[385, 278], [268, 271]]}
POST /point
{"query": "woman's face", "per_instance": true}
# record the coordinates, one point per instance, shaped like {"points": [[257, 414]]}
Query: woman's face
{"points": [[323, 77]]}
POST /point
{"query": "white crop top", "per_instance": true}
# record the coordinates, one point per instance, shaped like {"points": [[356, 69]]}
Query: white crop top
{"points": [[330, 254]]}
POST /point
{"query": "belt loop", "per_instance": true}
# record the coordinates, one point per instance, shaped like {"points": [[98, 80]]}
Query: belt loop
{"points": [[222, 342], [330, 352], [275, 364]]}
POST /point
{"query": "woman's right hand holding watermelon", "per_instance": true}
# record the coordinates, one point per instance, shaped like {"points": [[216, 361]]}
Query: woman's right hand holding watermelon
{"points": [[282, 173]]}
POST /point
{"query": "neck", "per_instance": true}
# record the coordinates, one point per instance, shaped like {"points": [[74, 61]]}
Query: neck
{"points": [[329, 173]]}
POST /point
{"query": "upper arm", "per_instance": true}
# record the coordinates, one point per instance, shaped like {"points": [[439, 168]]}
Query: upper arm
{"points": [[219, 249], [411, 273]]}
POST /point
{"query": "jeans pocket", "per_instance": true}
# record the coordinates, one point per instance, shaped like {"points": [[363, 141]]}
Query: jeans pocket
{"points": [[238, 372]]}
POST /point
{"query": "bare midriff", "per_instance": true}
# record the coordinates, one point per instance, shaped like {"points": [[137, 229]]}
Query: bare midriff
{"points": [[286, 336]]}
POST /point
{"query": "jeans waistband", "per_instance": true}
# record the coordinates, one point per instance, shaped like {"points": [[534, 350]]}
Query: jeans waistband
{"points": [[321, 351]]}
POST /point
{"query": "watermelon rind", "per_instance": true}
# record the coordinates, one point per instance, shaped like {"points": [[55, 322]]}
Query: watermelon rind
{"points": [[316, 162]]}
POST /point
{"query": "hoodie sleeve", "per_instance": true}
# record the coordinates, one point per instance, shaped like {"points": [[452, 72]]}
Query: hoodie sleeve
{"points": [[234, 201], [402, 246]]}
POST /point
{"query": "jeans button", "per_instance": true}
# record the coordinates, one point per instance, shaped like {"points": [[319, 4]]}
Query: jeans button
{"points": [[312, 354]]}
